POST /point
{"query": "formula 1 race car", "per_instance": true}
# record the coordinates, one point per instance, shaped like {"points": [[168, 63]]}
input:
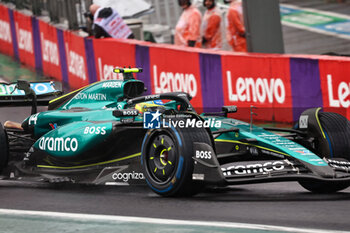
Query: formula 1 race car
{"points": [[109, 133]]}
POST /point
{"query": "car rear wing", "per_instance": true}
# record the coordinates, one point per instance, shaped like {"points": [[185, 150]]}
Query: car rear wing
{"points": [[24, 93]]}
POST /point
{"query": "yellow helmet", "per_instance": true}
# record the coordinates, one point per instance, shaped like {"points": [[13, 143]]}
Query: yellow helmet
{"points": [[149, 106]]}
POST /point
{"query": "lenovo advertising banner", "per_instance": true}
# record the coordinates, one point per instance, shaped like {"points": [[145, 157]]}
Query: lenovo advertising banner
{"points": [[176, 70], [51, 61], [335, 84], [275, 87], [112, 53], [6, 39], [25, 41], [76, 60], [262, 82]]}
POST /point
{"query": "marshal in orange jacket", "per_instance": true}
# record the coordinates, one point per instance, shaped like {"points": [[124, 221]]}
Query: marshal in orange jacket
{"points": [[235, 31], [188, 27], [211, 29]]}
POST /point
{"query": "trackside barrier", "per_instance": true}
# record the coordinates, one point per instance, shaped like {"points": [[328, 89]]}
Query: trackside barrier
{"points": [[280, 86], [6, 35], [25, 43]]}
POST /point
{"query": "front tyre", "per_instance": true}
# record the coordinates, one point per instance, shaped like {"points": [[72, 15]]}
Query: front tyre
{"points": [[332, 140], [337, 134], [167, 160]]}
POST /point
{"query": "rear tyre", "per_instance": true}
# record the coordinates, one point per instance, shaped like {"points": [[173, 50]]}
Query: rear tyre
{"points": [[334, 143], [167, 160], [4, 149]]}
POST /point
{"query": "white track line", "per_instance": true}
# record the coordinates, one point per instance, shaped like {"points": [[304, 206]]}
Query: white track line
{"points": [[334, 14], [313, 29], [118, 219]]}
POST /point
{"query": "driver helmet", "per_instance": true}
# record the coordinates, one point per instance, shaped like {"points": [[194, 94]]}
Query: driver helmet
{"points": [[150, 106]]}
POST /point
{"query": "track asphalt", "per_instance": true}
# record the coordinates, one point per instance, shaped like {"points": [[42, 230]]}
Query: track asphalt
{"points": [[278, 204]]}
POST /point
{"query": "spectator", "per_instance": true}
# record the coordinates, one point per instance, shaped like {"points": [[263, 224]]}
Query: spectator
{"points": [[211, 26], [235, 31], [108, 23], [187, 31]]}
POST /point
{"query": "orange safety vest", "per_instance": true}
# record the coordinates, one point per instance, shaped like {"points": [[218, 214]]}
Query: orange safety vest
{"points": [[211, 29], [188, 27], [235, 28]]}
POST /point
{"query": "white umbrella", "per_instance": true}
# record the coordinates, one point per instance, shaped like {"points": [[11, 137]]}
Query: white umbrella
{"points": [[127, 8]]}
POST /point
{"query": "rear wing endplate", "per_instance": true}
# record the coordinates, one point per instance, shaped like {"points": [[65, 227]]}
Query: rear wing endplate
{"points": [[11, 94]]}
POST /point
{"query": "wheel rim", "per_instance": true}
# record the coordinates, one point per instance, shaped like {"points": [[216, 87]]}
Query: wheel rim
{"points": [[161, 159]]}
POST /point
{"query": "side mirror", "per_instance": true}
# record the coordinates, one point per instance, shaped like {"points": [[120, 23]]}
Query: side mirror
{"points": [[229, 109], [224, 111], [125, 113]]}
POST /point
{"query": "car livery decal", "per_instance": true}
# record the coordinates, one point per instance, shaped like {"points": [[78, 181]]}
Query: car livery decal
{"points": [[73, 139], [269, 142]]}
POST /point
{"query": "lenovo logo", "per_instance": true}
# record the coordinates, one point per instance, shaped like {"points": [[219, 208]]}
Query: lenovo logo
{"points": [[5, 33], [261, 90], [25, 39], [174, 82], [50, 51]]}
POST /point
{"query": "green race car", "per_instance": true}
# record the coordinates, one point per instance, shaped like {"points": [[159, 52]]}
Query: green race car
{"points": [[109, 133]]}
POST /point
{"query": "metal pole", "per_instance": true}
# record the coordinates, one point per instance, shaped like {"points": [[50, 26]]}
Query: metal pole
{"points": [[157, 7], [19, 4], [72, 14], [36, 7], [167, 12], [177, 13], [53, 11]]}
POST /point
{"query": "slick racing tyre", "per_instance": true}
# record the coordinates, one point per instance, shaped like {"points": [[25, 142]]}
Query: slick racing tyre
{"points": [[4, 150], [332, 141], [167, 160], [337, 132]]}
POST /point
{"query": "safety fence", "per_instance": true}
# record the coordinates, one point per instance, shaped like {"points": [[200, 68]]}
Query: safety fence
{"points": [[65, 12], [280, 86]]}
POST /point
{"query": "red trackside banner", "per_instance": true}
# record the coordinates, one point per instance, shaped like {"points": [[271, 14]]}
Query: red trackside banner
{"points": [[260, 82], [112, 53], [50, 51], [335, 84], [175, 70], [23, 26], [280, 86], [6, 39], [76, 60]]}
